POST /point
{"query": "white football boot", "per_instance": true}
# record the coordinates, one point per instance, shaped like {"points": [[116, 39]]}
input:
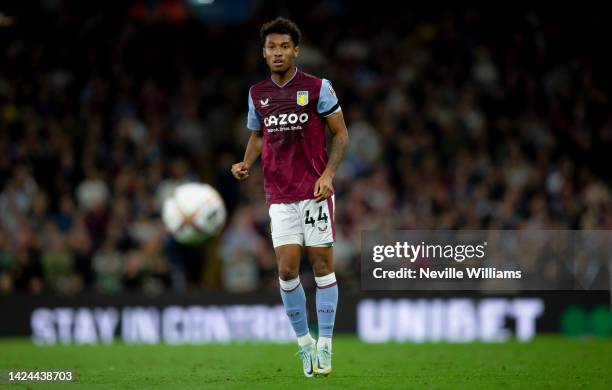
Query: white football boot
{"points": [[308, 355], [323, 366]]}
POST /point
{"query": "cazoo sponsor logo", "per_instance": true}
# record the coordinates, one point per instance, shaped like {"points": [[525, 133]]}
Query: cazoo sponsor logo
{"points": [[285, 119]]}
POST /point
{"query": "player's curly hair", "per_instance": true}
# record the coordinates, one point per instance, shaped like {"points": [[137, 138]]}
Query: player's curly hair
{"points": [[281, 25]]}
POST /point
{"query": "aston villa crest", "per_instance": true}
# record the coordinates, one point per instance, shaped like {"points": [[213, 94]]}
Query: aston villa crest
{"points": [[302, 98]]}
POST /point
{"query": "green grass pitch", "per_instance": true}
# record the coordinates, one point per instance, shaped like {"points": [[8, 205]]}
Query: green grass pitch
{"points": [[547, 362]]}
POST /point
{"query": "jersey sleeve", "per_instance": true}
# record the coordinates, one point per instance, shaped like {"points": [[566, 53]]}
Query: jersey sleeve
{"points": [[328, 102], [253, 118]]}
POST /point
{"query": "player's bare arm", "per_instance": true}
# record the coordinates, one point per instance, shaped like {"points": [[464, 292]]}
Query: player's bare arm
{"points": [[323, 186], [253, 150]]}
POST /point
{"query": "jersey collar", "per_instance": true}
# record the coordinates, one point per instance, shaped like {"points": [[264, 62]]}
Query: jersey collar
{"points": [[286, 82]]}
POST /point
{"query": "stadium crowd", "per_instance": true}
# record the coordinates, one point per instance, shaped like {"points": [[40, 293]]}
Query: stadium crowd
{"points": [[457, 120]]}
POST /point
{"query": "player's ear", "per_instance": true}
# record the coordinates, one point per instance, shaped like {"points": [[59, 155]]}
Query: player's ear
{"points": [[296, 51]]}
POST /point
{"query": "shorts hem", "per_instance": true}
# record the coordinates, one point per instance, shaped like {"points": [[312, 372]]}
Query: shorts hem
{"points": [[288, 239], [328, 244]]}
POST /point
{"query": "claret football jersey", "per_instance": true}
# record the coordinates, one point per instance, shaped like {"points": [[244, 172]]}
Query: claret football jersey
{"points": [[292, 119]]}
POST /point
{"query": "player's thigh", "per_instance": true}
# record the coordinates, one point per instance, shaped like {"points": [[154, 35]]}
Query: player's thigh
{"points": [[285, 224], [321, 259], [287, 238], [318, 222], [288, 260]]}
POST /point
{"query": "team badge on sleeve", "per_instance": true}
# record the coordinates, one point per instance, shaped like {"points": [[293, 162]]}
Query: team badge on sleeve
{"points": [[302, 98]]}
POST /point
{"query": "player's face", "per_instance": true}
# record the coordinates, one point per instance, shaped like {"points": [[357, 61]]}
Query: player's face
{"points": [[280, 52]]}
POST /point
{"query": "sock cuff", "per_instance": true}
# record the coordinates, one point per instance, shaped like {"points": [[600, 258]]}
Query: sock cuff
{"points": [[289, 285], [326, 281]]}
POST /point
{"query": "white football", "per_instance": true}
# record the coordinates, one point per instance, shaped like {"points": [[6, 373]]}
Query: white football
{"points": [[194, 213]]}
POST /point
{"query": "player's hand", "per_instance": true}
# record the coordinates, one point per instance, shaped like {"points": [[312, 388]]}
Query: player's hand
{"points": [[240, 170], [323, 188]]}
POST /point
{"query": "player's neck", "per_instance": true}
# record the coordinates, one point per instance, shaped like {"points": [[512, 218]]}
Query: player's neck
{"points": [[282, 78]]}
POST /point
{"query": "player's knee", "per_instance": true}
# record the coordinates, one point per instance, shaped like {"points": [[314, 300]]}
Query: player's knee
{"points": [[288, 271], [321, 265]]}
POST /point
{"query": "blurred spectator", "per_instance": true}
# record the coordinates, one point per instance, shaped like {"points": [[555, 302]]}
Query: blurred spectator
{"points": [[92, 193], [241, 249], [108, 264], [57, 262]]}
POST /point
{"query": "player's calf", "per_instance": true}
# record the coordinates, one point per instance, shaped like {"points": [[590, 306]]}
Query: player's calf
{"points": [[294, 300], [327, 301]]}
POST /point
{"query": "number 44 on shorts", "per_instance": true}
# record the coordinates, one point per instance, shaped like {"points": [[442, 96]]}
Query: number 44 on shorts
{"points": [[310, 220]]}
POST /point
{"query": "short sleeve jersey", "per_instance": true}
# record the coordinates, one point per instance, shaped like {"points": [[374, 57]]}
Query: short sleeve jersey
{"points": [[292, 119]]}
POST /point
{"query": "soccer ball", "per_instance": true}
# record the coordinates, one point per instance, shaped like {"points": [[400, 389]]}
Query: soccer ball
{"points": [[194, 213]]}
